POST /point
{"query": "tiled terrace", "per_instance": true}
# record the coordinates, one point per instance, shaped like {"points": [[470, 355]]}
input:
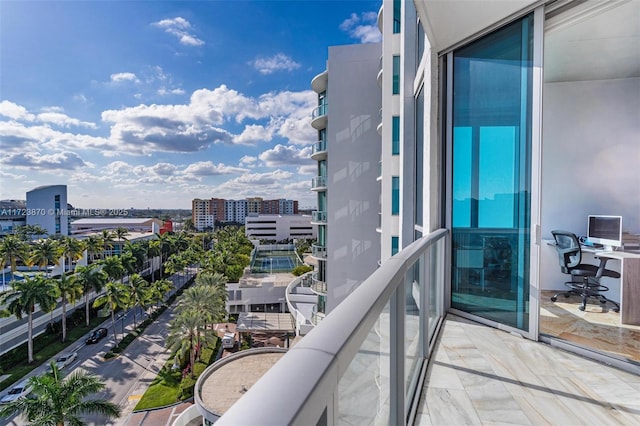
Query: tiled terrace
{"points": [[484, 376]]}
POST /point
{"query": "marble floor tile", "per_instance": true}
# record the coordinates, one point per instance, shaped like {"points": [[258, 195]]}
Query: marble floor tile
{"points": [[496, 378]]}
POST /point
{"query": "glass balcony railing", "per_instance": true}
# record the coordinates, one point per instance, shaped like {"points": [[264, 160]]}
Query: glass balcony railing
{"points": [[319, 217], [319, 151], [318, 251], [316, 317], [319, 182], [366, 357], [318, 286], [319, 111]]}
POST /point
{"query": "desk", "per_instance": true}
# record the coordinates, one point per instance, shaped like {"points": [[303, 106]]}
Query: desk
{"points": [[629, 282]]}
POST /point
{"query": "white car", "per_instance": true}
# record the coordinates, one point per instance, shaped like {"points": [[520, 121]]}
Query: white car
{"points": [[63, 360], [20, 390]]}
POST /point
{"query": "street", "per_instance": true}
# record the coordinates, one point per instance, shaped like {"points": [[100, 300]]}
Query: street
{"points": [[127, 376]]}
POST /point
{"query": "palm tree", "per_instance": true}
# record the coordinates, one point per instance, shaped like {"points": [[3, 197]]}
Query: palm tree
{"points": [[44, 253], [128, 263], [159, 289], [153, 251], [90, 277], [107, 240], [138, 294], [71, 249], [203, 299], [59, 401], [120, 234], [186, 334], [115, 296], [113, 267], [26, 294], [27, 232], [69, 290], [12, 248], [93, 245]]}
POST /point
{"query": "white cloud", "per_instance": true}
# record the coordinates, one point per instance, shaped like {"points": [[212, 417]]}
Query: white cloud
{"points": [[278, 62], [124, 76], [15, 111], [363, 27], [179, 27], [282, 155], [248, 161], [63, 120], [57, 161], [208, 168], [254, 133]]}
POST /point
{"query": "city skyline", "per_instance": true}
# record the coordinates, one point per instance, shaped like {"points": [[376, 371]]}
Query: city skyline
{"points": [[149, 105]]}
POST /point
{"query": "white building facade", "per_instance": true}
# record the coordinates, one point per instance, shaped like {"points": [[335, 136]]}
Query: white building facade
{"points": [[47, 208], [279, 227]]}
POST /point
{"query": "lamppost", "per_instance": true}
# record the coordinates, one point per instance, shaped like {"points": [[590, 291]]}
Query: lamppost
{"points": [[122, 317]]}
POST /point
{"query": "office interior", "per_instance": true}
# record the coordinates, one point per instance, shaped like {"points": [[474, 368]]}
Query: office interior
{"points": [[590, 163]]}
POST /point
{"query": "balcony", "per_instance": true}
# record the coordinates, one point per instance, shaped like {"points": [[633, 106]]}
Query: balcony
{"points": [[318, 286], [354, 367], [319, 183], [318, 251], [379, 178], [379, 128], [319, 82], [317, 317], [380, 73], [318, 217], [380, 17], [319, 151], [319, 117]]}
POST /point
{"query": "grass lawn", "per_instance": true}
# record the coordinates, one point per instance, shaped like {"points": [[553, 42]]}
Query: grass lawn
{"points": [[163, 390]]}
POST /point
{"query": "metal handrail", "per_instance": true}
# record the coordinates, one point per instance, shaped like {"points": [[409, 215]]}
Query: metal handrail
{"points": [[321, 358]]}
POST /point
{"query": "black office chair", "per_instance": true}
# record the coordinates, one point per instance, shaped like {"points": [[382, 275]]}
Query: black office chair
{"points": [[585, 278]]}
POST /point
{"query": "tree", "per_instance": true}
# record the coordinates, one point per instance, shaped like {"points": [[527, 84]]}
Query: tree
{"points": [[93, 245], [153, 251], [59, 401], [44, 253], [138, 293], [107, 239], [113, 267], [203, 299], [71, 249], [186, 335], [27, 232], [69, 290], [116, 296], [159, 289], [26, 294], [90, 277], [121, 233], [12, 249]]}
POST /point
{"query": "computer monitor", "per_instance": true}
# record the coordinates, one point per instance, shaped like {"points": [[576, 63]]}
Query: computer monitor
{"points": [[605, 230]]}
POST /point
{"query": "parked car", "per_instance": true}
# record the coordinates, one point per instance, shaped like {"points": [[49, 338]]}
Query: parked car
{"points": [[96, 335], [20, 390], [63, 360]]}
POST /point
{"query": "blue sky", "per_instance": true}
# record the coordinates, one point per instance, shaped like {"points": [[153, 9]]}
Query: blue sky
{"points": [[153, 103]]}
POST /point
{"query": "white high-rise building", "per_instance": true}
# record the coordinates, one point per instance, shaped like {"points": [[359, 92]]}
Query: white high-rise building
{"points": [[47, 208], [348, 153]]}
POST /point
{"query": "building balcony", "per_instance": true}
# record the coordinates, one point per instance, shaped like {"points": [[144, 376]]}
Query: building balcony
{"points": [[319, 117], [319, 183], [319, 82], [319, 151], [379, 128], [318, 286], [318, 251], [379, 178], [380, 73], [317, 317], [391, 385], [318, 217], [380, 17]]}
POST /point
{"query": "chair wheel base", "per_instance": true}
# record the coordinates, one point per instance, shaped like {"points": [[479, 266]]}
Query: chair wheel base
{"points": [[553, 298]]}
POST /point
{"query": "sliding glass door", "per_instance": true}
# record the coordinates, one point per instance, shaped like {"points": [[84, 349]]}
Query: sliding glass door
{"points": [[490, 152]]}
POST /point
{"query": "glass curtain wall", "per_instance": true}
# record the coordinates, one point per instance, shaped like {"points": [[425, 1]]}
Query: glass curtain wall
{"points": [[491, 138]]}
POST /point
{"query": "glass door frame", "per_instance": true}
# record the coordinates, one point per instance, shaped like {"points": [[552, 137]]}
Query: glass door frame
{"points": [[536, 143]]}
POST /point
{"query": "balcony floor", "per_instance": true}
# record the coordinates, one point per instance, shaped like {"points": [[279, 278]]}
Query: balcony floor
{"points": [[485, 376]]}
